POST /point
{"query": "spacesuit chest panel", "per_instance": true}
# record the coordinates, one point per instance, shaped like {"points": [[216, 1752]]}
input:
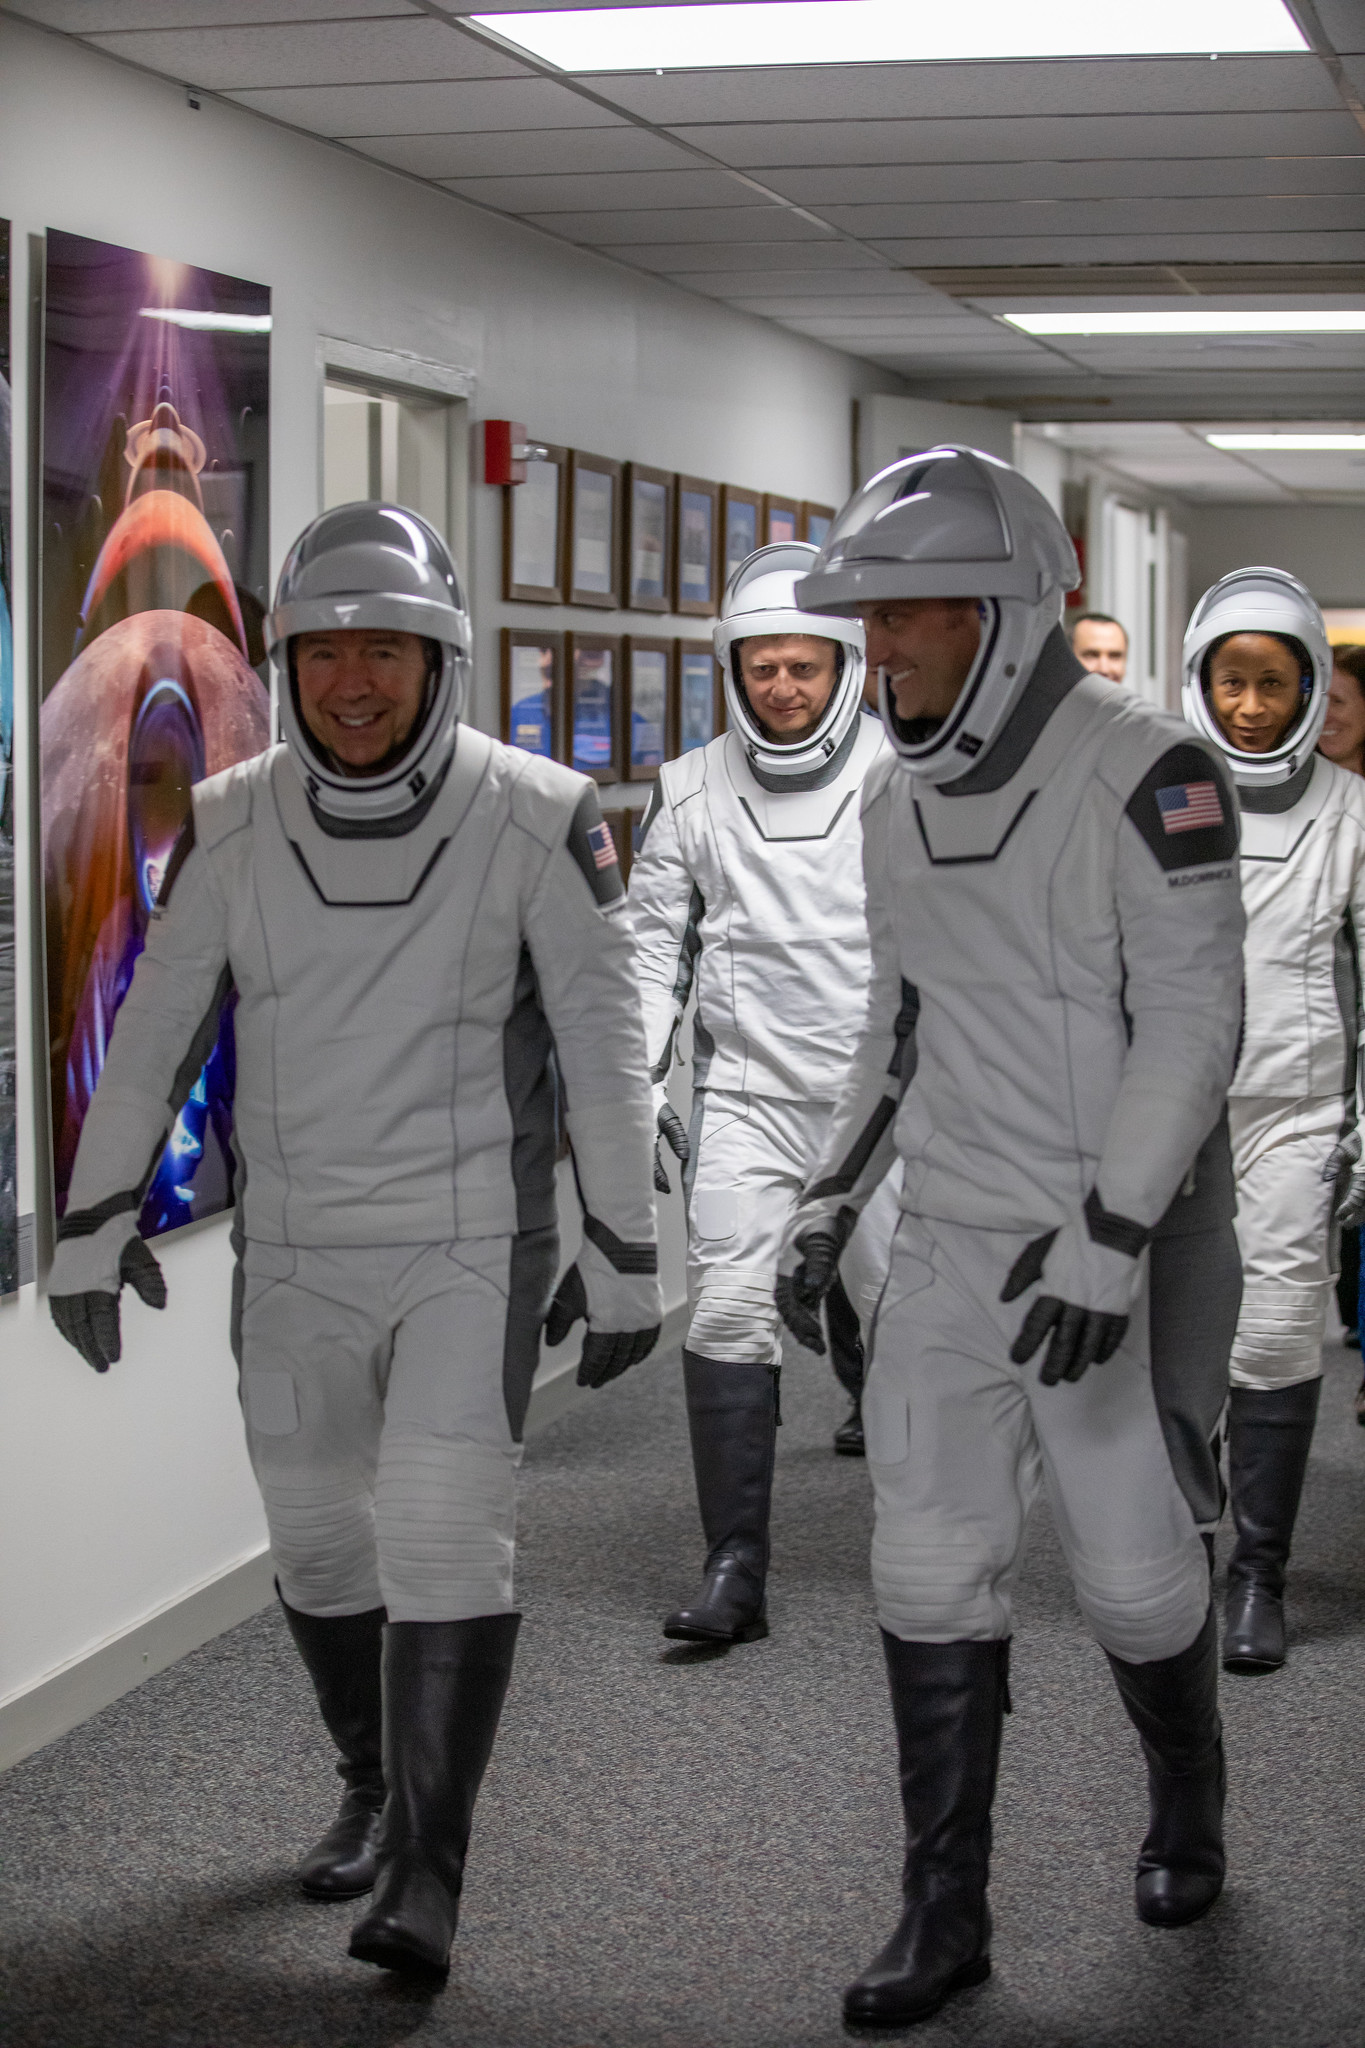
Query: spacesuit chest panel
{"points": [[957, 830], [355, 873], [1276, 836], [801, 814]]}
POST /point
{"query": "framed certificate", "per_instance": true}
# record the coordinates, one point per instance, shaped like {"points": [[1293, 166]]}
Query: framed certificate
{"points": [[741, 514], [700, 712], [816, 521], [593, 573], [648, 711], [533, 691], [533, 532], [649, 537], [781, 519], [696, 565], [592, 667]]}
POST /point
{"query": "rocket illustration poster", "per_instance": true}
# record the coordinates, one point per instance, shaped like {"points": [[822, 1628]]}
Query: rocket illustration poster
{"points": [[9, 1207], [154, 575]]}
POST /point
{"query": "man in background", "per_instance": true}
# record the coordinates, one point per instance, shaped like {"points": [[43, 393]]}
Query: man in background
{"points": [[1100, 644]]}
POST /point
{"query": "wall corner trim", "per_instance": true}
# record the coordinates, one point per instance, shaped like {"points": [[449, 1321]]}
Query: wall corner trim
{"points": [[395, 367]]}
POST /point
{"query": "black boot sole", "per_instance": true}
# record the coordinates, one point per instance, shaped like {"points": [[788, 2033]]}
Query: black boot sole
{"points": [[1252, 1667], [691, 1632], [1183, 1917], [332, 1895], [391, 1954], [975, 1972]]}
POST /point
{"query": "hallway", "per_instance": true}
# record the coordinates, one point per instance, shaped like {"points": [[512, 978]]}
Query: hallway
{"points": [[676, 1851]]}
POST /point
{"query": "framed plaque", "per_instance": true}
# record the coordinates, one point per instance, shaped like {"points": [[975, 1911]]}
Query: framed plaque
{"points": [[700, 712], [533, 524], [593, 690], [620, 824], [781, 519], [593, 573], [649, 537], [816, 521], [533, 691], [741, 519], [696, 563], [648, 736]]}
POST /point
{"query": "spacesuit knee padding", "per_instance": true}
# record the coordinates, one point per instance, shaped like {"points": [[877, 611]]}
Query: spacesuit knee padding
{"points": [[735, 1317], [932, 1591], [1149, 1610], [445, 1526], [322, 1542], [1279, 1335]]}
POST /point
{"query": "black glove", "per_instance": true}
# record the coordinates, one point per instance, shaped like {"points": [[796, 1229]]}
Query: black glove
{"points": [[673, 1131], [606, 1353], [90, 1320], [800, 1291], [1081, 1337]]}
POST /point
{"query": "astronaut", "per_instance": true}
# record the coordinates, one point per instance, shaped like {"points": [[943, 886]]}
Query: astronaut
{"points": [[749, 878], [424, 932], [1257, 672], [1052, 1022]]}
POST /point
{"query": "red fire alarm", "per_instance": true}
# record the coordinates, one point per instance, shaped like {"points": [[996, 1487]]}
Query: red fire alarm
{"points": [[506, 452]]}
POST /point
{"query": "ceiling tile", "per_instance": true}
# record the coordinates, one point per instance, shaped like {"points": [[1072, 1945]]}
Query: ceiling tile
{"points": [[90, 17], [1344, 21], [1111, 218], [874, 279], [686, 226], [606, 189], [737, 257], [346, 110], [1125, 179], [1168, 248], [545, 151], [982, 91], [1010, 138], [312, 53]]}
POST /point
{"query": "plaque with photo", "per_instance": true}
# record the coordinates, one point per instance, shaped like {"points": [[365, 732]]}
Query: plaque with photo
{"points": [[700, 712], [741, 516], [594, 569], [816, 521], [696, 564], [533, 691], [781, 519], [592, 663], [649, 537], [533, 532], [648, 720]]}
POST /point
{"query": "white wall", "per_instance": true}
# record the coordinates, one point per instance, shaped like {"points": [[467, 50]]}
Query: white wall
{"points": [[1323, 545], [890, 426], [120, 1494]]}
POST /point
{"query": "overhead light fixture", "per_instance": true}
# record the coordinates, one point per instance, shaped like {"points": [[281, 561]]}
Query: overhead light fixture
{"points": [[776, 32], [1289, 443], [209, 323], [1183, 322]]}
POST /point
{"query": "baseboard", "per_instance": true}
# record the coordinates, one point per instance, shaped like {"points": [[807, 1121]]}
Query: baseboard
{"points": [[57, 1704]]}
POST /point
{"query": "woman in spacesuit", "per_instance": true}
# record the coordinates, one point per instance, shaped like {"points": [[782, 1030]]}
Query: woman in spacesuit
{"points": [[1257, 672]]}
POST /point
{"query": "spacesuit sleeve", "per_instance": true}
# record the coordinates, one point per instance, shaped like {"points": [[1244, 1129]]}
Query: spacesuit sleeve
{"points": [[164, 1031], [579, 936], [860, 1145], [666, 908], [1354, 993], [1181, 926]]}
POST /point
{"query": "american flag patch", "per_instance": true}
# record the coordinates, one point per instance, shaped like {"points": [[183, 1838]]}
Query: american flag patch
{"points": [[603, 845], [1190, 806]]}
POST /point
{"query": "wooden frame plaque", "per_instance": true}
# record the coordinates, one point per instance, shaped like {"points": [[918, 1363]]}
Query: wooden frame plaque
{"points": [[741, 528], [534, 519], [592, 573], [533, 691], [781, 519], [815, 522], [593, 690], [648, 566], [698, 695], [696, 548], [647, 724]]}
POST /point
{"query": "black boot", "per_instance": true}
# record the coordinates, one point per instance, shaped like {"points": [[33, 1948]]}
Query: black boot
{"points": [[732, 1415], [444, 1685], [949, 1700], [850, 1367], [1269, 1435], [341, 1654], [1173, 1704]]}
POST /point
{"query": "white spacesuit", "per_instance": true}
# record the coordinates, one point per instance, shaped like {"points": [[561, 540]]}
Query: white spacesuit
{"points": [[428, 956], [749, 880], [1294, 1101], [1051, 1028]]}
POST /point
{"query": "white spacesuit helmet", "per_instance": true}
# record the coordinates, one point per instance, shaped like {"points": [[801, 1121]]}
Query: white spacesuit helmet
{"points": [[760, 599], [381, 567], [953, 522], [1259, 601]]}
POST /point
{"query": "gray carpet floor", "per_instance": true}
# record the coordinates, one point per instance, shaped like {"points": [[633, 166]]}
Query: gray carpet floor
{"points": [[683, 1850]]}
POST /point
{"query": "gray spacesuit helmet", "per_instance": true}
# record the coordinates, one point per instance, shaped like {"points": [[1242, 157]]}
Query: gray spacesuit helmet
{"points": [[382, 567], [760, 599], [1259, 601], [952, 522]]}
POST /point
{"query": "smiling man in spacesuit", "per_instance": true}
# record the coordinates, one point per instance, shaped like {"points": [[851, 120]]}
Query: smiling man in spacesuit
{"points": [[1257, 673], [424, 931], [1056, 932], [749, 877]]}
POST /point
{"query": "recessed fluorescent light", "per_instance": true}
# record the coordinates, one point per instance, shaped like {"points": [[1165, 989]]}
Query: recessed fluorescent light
{"points": [[773, 32], [1187, 323], [1293, 442], [209, 323]]}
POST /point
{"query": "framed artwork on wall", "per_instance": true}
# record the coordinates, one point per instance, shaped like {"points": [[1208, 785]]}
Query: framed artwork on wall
{"points": [[533, 691], [816, 521], [781, 519], [648, 732], [154, 578], [593, 691], [593, 574], [696, 566], [700, 711], [741, 521], [649, 537], [533, 527]]}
